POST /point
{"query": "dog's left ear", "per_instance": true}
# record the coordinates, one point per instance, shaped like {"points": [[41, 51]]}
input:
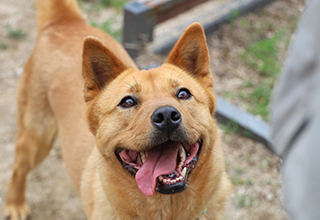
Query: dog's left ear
{"points": [[99, 67], [191, 54]]}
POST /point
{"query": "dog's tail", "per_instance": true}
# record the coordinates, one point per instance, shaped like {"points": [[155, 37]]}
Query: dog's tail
{"points": [[53, 10]]}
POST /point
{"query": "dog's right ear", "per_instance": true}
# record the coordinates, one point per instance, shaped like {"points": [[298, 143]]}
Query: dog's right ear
{"points": [[99, 67]]}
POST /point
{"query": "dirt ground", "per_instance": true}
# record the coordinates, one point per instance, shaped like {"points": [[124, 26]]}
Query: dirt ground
{"points": [[254, 171]]}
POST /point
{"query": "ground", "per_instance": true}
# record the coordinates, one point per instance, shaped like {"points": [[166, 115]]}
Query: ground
{"points": [[254, 171]]}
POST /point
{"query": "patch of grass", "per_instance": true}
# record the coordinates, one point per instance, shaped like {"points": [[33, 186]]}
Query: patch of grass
{"points": [[17, 13], [268, 182], [262, 57], [249, 182], [237, 180], [247, 83], [260, 97], [244, 23], [247, 133], [102, 4], [3, 45], [239, 170], [114, 3], [279, 185], [16, 33], [265, 163], [240, 94], [228, 94], [234, 15], [231, 127], [107, 27], [244, 201]]}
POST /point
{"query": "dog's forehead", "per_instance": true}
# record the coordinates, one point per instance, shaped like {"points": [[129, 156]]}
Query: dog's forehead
{"points": [[161, 78]]}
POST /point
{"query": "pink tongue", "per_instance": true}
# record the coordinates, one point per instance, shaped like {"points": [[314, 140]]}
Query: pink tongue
{"points": [[159, 161]]}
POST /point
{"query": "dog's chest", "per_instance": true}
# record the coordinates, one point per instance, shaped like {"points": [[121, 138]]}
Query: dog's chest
{"points": [[177, 214]]}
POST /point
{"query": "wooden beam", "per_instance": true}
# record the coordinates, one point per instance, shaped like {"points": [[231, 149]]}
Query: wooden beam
{"points": [[140, 18]]}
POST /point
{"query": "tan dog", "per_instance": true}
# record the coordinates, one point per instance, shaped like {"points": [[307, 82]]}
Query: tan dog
{"points": [[153, 130]]}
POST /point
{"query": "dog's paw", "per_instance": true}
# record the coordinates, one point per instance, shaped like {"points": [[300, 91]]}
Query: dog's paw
{"points": [[17, 212]]}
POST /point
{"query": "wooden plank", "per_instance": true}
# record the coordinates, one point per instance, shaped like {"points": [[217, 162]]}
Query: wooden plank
{"points": [[172, 8], [163, 10], [210, 21]]}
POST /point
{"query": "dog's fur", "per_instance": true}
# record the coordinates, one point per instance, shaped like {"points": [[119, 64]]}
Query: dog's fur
{"points": [[72, 86]]}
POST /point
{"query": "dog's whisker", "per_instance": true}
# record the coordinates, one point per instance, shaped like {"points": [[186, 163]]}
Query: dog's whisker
{"points": [[98, 162]]}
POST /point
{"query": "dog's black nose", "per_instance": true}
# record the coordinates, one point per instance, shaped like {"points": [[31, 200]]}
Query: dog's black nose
{"points": [[166, 119]]}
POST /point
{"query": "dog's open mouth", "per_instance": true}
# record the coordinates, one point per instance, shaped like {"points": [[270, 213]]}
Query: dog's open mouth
{"points": [[164, 168]]}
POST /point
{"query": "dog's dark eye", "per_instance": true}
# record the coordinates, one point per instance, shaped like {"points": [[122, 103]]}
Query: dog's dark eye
{"points": [[128, 102], [184, 94]]}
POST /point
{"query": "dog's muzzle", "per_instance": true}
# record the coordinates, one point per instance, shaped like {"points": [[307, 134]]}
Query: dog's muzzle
{"points": [[165, 166]]}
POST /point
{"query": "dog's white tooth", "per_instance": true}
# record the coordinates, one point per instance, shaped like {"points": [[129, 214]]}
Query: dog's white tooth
{"points": [[143, 157], [160, 178], [173, 181], [165, 180], [180, 165], [182, 154], [184, 171]]}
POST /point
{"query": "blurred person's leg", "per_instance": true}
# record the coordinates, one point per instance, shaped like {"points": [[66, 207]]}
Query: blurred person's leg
{"points": [[296, 119]]}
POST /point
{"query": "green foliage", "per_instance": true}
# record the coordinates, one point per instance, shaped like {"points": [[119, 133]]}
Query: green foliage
{"points": [[107, 27], [16, 33]]}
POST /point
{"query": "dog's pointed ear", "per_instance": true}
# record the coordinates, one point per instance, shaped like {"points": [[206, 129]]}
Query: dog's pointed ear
{"points": [[99, 67], [191, 54]]}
